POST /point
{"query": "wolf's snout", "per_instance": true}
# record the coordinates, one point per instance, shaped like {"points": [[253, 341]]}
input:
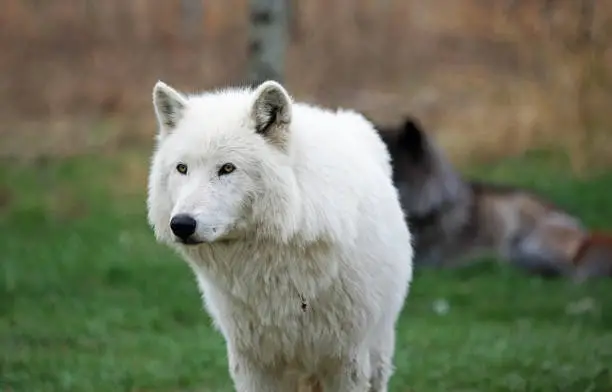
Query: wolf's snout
{"points": [[183, 226]]}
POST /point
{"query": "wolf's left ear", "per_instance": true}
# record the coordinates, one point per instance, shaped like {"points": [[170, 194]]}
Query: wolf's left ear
{"points": [[271, 112], [169, 106]]}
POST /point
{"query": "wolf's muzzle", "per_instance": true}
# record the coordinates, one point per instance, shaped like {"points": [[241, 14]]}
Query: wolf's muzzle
{"points": [[183, 226]]}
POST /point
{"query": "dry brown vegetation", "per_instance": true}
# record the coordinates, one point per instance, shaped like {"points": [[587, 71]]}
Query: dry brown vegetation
{"points": [[490, 78]]}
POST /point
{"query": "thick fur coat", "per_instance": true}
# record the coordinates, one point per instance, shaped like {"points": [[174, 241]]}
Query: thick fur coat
{"points": [[288, 216]]}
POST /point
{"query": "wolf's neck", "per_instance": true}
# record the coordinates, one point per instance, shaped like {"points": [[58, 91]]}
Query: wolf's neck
{"points": [[236, 266], [437, 194]]}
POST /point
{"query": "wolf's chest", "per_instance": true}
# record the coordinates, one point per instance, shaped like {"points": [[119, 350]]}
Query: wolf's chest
{"points": [[284, 301], [277, 325]]}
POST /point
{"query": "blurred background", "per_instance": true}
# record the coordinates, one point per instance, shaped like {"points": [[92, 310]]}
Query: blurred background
{"points": [[518, 91], [497, 77]]}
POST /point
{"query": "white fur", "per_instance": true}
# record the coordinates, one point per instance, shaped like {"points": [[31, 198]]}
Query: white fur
{"points": [[306, 259]]}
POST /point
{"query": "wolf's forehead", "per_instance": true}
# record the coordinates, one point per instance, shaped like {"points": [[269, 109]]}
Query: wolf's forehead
{"points": [[221, 107], [203, 144], [210, 118], [214, 124], [210, 144]]}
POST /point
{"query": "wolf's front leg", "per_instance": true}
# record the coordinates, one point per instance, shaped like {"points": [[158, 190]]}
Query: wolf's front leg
{"points": [[381, 359], [252, 377], [353, 376]]}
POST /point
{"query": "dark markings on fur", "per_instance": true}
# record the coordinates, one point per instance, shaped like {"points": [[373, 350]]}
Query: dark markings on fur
{"points": [[304, 304], [169, 110], [354, 372], [261, 17], [431, 217], [271, 111]]}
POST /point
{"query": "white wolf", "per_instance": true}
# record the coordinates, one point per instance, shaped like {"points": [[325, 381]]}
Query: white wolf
{"points": [[288, 216]]}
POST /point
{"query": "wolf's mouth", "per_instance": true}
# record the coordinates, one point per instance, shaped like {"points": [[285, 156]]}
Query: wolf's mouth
{"points": [[189, 241]]}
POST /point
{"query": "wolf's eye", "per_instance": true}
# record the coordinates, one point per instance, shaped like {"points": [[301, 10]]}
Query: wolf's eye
{"points": [[226, 169], [181, 168]]}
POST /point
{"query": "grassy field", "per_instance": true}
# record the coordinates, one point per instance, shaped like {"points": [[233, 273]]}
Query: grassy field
{"points": [[89, 302]]}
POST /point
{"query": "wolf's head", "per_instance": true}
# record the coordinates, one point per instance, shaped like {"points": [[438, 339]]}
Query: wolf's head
{"points": [[424, 177], [221, 169]]}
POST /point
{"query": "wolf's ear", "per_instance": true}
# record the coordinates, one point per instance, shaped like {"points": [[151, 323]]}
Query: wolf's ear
{"points": [[271, 112], [169, 106], [412, 138]]}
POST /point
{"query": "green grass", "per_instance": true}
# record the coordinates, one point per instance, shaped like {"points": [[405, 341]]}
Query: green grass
{"points": [[89, 302]]}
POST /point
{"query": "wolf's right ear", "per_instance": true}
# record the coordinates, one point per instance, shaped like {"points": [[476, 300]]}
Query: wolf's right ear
{"points": [[271, 112], [169, 106], [411, 136]]}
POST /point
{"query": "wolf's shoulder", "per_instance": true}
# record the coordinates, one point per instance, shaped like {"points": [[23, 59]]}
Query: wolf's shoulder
{"points": [[342, 136]]}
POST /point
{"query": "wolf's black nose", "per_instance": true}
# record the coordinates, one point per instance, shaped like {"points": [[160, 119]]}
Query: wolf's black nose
{"points": [[183, 226]]}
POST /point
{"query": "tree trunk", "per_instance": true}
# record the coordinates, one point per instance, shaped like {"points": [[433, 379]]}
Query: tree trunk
{"points": [[191, 18], [267, 40]]}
